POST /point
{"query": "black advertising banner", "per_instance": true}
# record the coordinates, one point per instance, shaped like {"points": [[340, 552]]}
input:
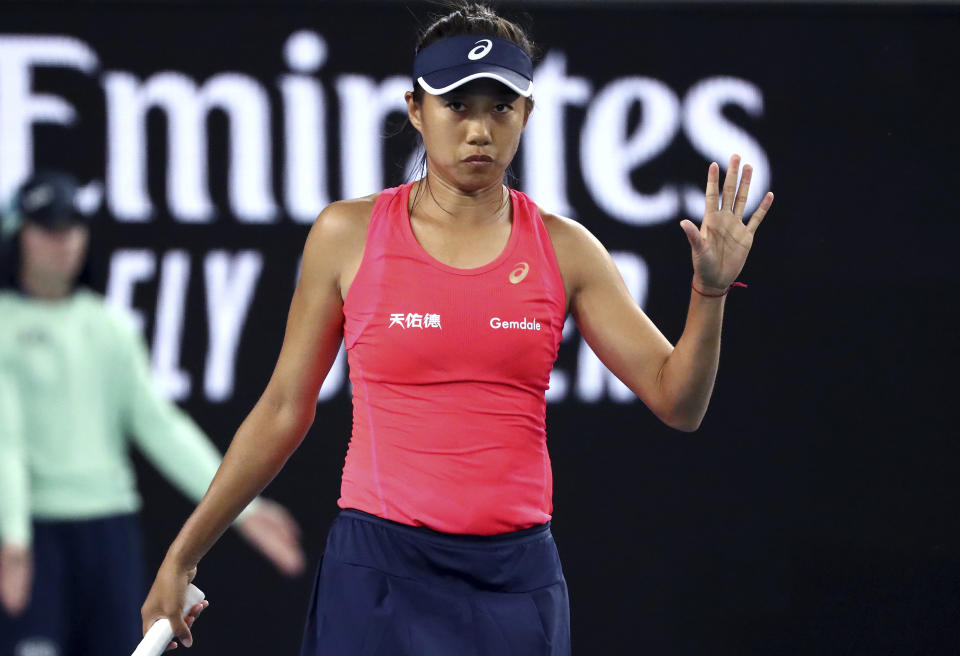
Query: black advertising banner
{"points": [[814, 511]]}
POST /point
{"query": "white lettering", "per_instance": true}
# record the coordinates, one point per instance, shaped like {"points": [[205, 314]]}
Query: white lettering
{"points": [[168, 330], [609, 156], [364, 105], [717, 138], [414, 320], [544, 140], [498, 324], [230, 283], [304, 121], [21, 108], [127, 268], [612, 153], [186, 107]]}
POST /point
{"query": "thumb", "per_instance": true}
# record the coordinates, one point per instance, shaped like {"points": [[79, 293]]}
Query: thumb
{"points": [[693, 234]]}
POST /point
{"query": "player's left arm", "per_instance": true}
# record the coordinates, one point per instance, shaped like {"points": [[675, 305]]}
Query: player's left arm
{"points": [[675, 382]]}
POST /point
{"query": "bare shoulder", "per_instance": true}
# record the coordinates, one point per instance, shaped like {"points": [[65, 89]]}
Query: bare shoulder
{"points": [[578, 251], [567, 233], [336, 241], [340, 229], [345, 220]]}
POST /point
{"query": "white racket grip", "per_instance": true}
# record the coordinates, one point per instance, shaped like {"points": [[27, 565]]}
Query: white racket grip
{"points": [[161, 633]]}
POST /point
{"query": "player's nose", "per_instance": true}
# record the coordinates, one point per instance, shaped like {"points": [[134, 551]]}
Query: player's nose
{"points": [[478, 132]]}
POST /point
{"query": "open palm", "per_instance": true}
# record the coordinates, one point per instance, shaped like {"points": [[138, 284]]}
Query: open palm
{"points": [[721, 244]]}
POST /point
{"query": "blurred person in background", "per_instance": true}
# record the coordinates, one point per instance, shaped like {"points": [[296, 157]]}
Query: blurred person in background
{"points": [[75, 387]]}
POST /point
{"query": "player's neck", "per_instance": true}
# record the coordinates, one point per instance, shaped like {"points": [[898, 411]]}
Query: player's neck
{"points": [[439, 200]]}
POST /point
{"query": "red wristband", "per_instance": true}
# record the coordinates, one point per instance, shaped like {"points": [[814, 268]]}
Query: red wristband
{"points": [[725, 292]]}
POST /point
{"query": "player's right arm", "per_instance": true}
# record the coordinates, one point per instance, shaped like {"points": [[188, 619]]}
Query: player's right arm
{"points": [[283, 414]]}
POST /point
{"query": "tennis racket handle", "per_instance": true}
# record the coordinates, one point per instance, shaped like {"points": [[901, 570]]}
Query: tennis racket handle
{"points": [[161, 633]]}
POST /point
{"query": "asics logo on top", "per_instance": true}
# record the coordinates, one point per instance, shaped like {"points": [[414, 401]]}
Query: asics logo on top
{"points": [[519, 272], [480, 51]]}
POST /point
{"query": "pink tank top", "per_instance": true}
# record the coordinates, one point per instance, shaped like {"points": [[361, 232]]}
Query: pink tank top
{"points": [[449, 369]]}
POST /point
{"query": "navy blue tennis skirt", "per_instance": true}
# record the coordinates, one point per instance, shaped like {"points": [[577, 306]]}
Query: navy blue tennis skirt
{"points": [[388, 589]]}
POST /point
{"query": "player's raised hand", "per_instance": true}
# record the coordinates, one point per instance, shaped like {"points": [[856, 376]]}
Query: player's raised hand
{"points": [[721, 244]]}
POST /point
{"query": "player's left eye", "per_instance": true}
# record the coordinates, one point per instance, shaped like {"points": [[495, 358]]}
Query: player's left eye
{"points": [[503, 108]]}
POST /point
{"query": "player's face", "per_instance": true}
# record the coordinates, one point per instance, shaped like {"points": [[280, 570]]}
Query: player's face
{"points": [[471, 134], [53, 254]]}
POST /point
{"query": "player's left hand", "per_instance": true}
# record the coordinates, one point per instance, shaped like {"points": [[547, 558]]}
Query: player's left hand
{"points": [[721, 244], [272, 530]]}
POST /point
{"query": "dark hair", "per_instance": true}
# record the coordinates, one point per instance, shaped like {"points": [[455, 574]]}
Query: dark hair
{"points": [[468, 19]]}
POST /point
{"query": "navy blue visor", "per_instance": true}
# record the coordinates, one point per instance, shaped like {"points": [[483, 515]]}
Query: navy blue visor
{"points": [[449, 63]]}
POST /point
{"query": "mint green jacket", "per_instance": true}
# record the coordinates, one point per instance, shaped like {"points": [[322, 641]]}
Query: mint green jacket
{"points": [[75, 390]]}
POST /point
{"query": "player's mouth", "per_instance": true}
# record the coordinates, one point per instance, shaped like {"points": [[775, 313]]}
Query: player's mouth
{"points": [[479, 160]]}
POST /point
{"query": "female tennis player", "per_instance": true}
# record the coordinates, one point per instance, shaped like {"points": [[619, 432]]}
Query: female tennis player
{"points": [[450, 293]]}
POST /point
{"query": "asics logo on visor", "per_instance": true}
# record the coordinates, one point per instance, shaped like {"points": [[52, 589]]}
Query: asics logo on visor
{"points": [[480, 51]]}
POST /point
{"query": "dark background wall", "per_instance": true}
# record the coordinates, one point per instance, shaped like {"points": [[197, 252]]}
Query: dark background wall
{"points": [[814, 511]]}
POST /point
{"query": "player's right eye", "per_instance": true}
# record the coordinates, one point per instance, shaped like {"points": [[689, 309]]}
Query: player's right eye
{"points": [[456, 105]]}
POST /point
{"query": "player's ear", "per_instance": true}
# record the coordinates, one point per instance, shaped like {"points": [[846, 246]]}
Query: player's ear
{"points": [[414, 110], [527, 110]]}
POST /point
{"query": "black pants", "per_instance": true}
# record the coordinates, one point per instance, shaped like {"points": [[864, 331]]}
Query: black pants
{"points": [[87, 590], [387, 589]]}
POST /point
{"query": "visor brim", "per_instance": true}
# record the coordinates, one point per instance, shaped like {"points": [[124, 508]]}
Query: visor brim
{"points": [[448, 79]]}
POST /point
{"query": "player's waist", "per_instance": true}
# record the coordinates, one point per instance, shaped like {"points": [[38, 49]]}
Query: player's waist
{"points": [[517, 561], [472, 498]]}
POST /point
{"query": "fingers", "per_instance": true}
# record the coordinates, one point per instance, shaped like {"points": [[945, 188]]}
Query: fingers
{"points": [[713, 192], [195, 611], [166, 601], [693, 235], [734, 198], [730, 182], [188, 621], [191, 617], [761, 212], [181, 631], [742, 192]]}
